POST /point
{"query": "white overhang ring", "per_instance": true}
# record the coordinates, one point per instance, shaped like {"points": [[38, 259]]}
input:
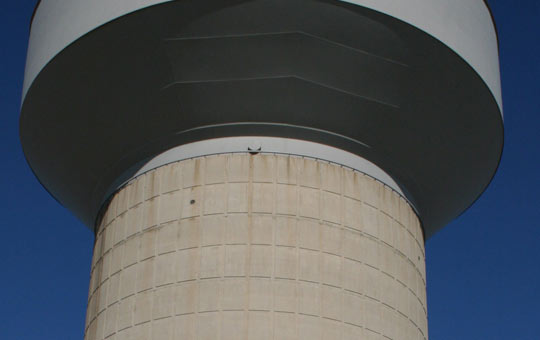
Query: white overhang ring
{"points": [[465, 26], [272, 145]]}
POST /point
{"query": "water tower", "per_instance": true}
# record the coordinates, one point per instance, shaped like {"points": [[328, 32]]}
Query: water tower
{"points": [[262, 169]]}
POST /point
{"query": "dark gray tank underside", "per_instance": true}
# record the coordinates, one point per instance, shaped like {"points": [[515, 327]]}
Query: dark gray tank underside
{"points": [[323, 71]]}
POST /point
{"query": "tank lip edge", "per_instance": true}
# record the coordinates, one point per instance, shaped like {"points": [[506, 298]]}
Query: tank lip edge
{"points": [[32, 168], [488, 184]]}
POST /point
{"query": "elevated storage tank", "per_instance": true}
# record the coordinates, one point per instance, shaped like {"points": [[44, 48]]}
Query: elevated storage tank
{"points": [[263, 169]]}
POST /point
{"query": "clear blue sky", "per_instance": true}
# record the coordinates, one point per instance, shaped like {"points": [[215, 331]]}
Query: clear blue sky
{"points": [[483, 269]]}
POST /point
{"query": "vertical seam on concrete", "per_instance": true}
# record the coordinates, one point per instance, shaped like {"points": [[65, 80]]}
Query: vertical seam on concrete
{"points": [[318, 170], [137, 263], [117, 273], [157, 211], [248, 260], [223, 239], [342, 242], [200, 254], [176, 284], [274, 222], [297, 238], [105, 292], [179, 180]]}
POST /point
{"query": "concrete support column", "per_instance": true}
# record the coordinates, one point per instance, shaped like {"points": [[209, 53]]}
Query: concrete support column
{"points": [[264, 246]]}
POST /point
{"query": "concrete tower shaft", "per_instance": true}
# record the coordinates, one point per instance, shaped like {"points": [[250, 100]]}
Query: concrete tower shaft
{"points": [[258, 247]]}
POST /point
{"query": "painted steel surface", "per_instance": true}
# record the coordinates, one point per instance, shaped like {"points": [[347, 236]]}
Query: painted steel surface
{"points": [[465, 26], [324, 71]]}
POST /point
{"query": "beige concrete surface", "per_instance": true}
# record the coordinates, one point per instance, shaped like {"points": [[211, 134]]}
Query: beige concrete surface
{"points": [[257, 247]]}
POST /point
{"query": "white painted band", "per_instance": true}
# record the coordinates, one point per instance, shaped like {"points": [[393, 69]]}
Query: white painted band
{"points": [[463, 25], [273, 145]]}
